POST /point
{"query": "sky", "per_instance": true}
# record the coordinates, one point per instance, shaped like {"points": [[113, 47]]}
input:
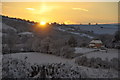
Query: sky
{"points": [[60, 0], [63, 12]]}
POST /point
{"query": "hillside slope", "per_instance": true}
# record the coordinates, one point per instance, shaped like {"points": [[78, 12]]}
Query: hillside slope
{"points": [[64, 68]]}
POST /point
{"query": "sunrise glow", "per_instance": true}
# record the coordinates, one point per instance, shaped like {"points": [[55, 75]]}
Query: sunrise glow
{"points": [[63, 12], [42, 23]]}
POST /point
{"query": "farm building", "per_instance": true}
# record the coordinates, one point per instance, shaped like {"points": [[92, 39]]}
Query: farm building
{"points": [[96, 43]]}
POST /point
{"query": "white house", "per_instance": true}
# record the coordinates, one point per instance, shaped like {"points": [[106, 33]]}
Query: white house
{"points": [[96, 43]]}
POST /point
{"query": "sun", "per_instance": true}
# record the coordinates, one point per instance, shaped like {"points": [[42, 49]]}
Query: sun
{"points": [[42, 23]]}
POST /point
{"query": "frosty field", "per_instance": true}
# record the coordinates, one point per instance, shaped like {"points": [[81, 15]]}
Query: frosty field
{"points": [[34, 58], [32, 50], [92, 53]]}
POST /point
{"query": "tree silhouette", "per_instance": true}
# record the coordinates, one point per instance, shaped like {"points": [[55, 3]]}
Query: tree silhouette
{"points": [[117, 36], [72, 42], [89, 23]]}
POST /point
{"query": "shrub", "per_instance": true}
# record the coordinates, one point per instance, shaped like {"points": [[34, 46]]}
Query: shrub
{"points": [[36, 44], [67, 52], [56, 45], [97, 62], [117, 36], [72, 42]]}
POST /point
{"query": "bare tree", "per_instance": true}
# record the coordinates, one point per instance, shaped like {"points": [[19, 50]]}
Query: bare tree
{"points": [[67, 52], [56, 45], [36, 44], [11, 41], [45, 45], [117, 36], [72, 41]]}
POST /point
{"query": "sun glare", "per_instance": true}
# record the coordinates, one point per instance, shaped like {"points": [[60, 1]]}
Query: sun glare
{"points": [[42, 23]]}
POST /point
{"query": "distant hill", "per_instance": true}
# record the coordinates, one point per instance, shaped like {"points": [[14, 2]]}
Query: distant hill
{"points": [[22, 32], [19, 24], [114, 24], [22, 25]]}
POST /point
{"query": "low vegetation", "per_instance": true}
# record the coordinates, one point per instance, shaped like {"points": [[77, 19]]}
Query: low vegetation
{"points": [[15, 68], [98, 63]]}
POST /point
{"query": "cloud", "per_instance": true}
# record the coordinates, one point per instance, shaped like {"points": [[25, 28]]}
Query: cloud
{"points": [[43, 9], [30, 9], [80, 9]]}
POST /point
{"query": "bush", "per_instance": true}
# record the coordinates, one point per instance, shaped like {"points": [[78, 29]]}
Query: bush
{"points": [[67, 52], [56, 45], [45, 45], [117, 36], [107, 40], [98, 62], [72, 42], [51, 46], [36, 44]]}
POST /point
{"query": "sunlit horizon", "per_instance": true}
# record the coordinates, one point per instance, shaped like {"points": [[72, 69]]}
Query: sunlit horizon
{"points": [[63, 12], [43, 22]]}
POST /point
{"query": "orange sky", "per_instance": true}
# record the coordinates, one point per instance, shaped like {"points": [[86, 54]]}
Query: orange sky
{"points": [[63, 12]]}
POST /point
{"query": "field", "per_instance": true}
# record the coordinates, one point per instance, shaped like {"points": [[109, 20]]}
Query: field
{"points": [[89, 53], [34, 58], [59, 51]]}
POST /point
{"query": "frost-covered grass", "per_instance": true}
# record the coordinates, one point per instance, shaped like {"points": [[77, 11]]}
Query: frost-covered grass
{"points": [[24, 65], [83, 50], [14, 68], [110, 54], [97, 58], [39, 58], [94, 53]]}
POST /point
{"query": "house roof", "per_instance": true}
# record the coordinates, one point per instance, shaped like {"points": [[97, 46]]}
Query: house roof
{"points": [[96, 41]]}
